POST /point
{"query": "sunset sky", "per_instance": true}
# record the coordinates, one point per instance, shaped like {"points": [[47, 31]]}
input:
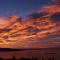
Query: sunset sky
{"points": [[29, 23]]}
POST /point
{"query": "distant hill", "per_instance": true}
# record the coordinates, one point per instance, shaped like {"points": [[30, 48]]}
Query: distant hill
{"points": [[9, 49]]}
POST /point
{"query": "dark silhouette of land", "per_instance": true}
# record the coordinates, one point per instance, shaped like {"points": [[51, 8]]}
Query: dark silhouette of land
{"points": [[30, 53], [23, 49], [10, 49]]}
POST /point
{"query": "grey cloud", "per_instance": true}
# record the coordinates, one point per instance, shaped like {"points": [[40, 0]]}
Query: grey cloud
{"points": [[55, 17], [37, 15]]}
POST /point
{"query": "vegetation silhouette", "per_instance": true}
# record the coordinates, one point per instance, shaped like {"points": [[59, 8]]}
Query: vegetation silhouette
{"points": [[26, 58]]}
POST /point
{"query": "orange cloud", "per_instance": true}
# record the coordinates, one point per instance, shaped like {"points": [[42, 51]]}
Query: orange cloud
{"points": [[16, 33]]}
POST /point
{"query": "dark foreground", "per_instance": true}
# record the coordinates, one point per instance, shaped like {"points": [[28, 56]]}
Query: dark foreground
{"points": [[30, 54]]}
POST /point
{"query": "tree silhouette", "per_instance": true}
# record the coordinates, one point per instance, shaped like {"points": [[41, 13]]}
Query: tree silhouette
{"points": [[42, 58], [1, 58]]}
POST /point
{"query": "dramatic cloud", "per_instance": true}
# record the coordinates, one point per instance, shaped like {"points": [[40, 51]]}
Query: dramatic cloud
{"points": [[40, 29]]}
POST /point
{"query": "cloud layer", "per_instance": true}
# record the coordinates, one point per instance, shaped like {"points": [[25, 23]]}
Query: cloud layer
{"points": [[39, 30]]}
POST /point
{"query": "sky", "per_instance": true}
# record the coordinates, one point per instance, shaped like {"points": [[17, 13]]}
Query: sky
{"points": [[20, 7], [40, 27]]}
